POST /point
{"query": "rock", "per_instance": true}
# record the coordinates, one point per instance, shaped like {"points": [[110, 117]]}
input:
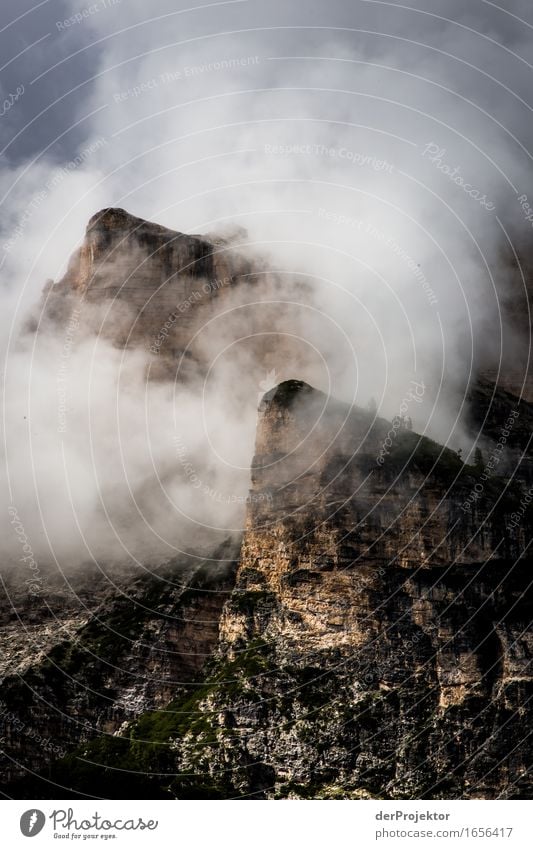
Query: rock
{"points": [[369, 636], [374, 644]]}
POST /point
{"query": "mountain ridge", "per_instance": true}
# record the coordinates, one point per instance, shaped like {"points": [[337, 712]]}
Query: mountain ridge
{"points": [[342, 668], [367, 634]]}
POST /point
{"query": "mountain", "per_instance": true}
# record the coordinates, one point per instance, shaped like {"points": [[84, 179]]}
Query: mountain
{"points": [[367, 636], [141, 285]]}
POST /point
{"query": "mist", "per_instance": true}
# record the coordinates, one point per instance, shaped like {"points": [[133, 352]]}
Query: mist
{"points": [[374, 155]]}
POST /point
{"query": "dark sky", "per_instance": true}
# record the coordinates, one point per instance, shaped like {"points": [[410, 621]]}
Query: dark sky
{"points": [[359, 150], [32, 42]]}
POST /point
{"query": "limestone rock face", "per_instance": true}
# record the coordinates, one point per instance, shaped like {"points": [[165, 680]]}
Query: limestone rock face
{"points": [[372, 643], [153, 286], [178, 297], [93, 655], [388, 630], [368, 637]]}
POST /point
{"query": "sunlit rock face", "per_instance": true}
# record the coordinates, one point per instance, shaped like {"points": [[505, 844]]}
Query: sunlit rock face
{"points": [[366, 637], [369, 640], [178, 298], [140, 284], [377, 634], [97, 649]]}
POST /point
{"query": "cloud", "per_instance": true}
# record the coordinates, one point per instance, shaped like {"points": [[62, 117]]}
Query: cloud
{"points": [[373, 153]]}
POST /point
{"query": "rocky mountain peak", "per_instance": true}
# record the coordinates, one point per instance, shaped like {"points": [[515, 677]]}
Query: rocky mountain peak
{"points": [[284, 394], [112, 218], [119, 223]]}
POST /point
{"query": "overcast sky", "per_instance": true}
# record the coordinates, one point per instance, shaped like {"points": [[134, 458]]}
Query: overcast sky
{"points": [[34, 39], [382, 150]]}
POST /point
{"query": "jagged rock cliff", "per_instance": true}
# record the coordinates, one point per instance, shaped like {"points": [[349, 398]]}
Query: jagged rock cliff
{"points": [[368, 635], [390, 631], [375, 643], [98, 652], [141, 285]]}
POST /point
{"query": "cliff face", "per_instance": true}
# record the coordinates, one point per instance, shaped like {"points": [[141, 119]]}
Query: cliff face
{"points": [[140, 285], [94, 655], [375, 643], [367, 637], [390, 631]]}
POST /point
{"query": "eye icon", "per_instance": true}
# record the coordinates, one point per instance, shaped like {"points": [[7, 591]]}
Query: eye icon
{"points": [[32, 822]]}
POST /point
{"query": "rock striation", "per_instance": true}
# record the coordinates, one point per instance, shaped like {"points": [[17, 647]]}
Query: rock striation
{"points": [[171, 295], [91, 657], [390, 629], [139, 284], [367, 637], [375, 641]]}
